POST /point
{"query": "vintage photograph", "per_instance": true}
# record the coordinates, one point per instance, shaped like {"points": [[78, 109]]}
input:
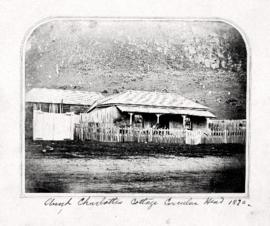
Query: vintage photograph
{"points": [[135, 106]]}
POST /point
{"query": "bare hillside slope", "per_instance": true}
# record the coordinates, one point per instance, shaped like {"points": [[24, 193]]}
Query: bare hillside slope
{"points": [[202, 61]]}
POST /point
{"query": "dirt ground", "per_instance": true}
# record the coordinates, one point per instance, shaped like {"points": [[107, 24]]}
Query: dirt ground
{"points": [[92, 167]]}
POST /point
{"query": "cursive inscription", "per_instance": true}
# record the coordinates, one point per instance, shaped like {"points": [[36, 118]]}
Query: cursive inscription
{"points": [[104, 201], [149, 203], [171, 202], [144, 202], [214, 201], [53, 202]]}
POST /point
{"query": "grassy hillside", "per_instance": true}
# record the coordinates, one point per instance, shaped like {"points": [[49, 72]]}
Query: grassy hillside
{"points": [[203, 61]]}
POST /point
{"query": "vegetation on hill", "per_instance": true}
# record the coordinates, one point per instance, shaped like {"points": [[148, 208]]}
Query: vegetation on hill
{"points": [[203, 61]]}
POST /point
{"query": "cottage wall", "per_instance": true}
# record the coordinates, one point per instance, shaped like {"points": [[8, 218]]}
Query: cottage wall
{"points": [[149, 120], [103, 115], [112, 115], [77, 109], [198, 123], [59, 108], [176, 122]]}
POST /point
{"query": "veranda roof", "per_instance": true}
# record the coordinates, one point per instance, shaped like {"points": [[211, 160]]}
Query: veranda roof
{"points": [[159, 110], [57, 96]]}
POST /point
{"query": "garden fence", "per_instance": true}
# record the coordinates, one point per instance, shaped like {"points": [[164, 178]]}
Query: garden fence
{"points": [[111, 133]]}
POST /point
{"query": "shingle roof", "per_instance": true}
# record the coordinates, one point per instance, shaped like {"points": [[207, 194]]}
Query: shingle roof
{"points": [[44, 95], [146, 98], [153, 102]]}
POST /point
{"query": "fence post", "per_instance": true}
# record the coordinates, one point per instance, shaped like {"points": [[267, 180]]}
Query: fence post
{"points": [[184, 127]]}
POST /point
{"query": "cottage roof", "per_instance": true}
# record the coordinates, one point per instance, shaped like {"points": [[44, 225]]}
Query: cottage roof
{"points": [[146, 98], [153, 102], [44, 95]]}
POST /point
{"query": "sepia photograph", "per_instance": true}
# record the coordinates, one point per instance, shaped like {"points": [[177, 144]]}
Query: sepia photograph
{"points": [[151, 106]]}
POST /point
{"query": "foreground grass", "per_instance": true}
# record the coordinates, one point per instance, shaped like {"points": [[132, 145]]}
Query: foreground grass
{"points": [[92, 149], [85, 167]]}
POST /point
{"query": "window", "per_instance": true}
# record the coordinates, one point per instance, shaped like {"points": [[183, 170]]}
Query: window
{"points": [[188, 124], [138, 121], [66, 108], [45, 107]]}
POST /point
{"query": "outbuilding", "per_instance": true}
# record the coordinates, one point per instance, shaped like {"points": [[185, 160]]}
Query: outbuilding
{"points": [[56, 101], [61, 100]]}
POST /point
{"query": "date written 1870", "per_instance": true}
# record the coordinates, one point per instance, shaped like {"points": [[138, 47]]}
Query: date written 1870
{"points": [[230, 202]]}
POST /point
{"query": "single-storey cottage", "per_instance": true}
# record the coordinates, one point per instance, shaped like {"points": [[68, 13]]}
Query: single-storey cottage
{"points": [[149, 109]]}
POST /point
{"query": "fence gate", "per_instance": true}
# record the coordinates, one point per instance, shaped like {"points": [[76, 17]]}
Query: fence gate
{"points": [[54, 126]]}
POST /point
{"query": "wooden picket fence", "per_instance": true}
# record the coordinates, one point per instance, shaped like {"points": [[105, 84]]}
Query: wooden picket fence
{"points": [[224, 136], [225, 131], [217, 124], [127, 134], [112, 133], [53, 126]]}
